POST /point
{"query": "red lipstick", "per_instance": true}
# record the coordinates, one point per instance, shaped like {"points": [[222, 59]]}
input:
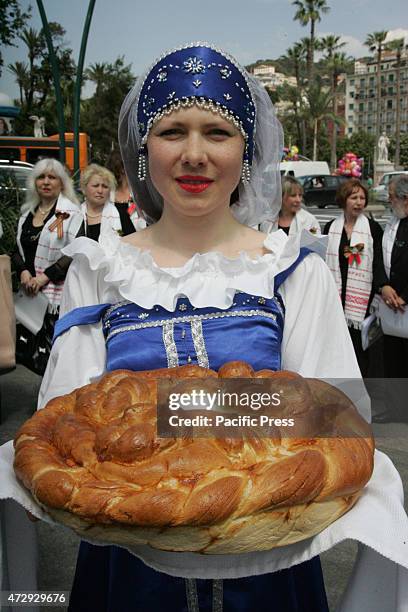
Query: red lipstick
{"points": [[194, 183]]}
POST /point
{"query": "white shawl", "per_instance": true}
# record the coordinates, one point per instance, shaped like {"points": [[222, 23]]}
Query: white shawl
{"points": [[302, 220], [360, 275], [50, 245], [388, 242], [110, 219]]}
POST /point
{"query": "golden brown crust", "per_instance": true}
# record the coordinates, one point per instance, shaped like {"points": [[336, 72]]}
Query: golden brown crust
{"points": [[93, 458]]}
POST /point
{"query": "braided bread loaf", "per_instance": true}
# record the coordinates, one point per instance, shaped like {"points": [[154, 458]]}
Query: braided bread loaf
{"points": [[93, 460]]}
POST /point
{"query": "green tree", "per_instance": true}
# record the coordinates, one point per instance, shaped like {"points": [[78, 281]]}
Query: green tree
{"points": [[310, 11], [99, 114], [22, 76], [397, 46], [291, 94], [33, 42], [98, 73], [12, 22], [403, 144], [375, 42], [320, 110], [335, 63], [35, 79]]}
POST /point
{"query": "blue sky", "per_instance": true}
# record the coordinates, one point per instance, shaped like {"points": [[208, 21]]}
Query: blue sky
{"points": [[249, 29]]}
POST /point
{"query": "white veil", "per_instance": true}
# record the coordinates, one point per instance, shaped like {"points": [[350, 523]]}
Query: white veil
{"points": [[259, 200]]}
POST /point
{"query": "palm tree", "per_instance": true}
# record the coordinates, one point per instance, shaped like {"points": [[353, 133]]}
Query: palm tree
{"points": [[22, 76], [34, 43], [296, 55], [376, 42], [98, 74], [397, 46], [320, 109], [310, 11], [335, 63]]}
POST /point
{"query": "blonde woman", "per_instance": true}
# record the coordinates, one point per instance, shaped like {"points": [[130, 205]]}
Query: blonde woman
{"points": [[292, 218], [99, 213]]}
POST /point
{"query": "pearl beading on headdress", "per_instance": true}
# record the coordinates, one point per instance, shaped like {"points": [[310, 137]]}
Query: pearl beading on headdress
{"points": [[174, 81]]}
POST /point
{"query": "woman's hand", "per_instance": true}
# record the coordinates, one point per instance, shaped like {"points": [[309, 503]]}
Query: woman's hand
{"points": [[37, 282], [392, 299], [25, 279]]}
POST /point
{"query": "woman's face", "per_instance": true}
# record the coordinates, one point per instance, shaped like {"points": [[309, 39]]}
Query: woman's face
{"points": [[291, 202], [195, 160], [97, 190], [355, 203], [48, 185]]}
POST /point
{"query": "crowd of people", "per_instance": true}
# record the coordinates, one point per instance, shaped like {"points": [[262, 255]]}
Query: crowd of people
{"points": [[201, 158], [51, 218]]}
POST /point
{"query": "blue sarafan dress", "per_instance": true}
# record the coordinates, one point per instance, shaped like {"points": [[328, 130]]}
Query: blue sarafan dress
{"points": [[109, 578]]}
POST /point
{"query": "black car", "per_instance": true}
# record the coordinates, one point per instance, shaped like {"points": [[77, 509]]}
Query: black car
{"points": [[320, 189]]}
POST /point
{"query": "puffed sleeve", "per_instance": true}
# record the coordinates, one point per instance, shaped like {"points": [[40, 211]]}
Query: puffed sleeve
{"points": [[79, 354], [316, 341]]}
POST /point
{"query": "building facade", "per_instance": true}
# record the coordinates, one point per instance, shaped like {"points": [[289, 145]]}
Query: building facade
{"points": [[271, 79], [361, 96]]}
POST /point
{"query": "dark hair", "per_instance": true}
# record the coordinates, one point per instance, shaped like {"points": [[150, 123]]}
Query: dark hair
{"points": [[346, 189], [115, 165]]}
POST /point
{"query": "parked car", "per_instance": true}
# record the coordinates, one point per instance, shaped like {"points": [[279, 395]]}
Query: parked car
{"points": [[320, 189], [14, 174], [381, 191]]}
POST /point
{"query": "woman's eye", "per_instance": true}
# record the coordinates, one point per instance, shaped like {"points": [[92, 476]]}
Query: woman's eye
{"points": [[170, 132], [220, 132]]}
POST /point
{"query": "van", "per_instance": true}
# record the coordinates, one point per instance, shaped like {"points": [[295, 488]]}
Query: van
{"points": [[303, 168]]}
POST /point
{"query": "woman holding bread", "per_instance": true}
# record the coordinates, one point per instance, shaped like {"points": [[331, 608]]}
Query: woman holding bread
{"points": [[198, 138]]}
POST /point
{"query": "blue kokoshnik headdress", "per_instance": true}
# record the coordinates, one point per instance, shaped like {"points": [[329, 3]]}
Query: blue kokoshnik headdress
{"points": [[200, 74], [197, 74]]}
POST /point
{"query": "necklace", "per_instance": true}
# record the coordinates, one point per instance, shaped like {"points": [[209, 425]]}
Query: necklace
{"points": [[46, 211], [93, 216]]}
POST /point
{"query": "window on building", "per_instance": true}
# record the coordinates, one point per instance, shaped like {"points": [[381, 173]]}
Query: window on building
{"points": [[389, 103], [370, 106], [390, 91], [350, 130], [371, 81], [352, 82], [391, 77], [369, 128], [362, 82], [350, 118], [351, 106], [361, 107]]}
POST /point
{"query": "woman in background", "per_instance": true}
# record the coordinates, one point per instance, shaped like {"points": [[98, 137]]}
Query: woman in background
{"points": [[97, 184], [122, 196], [292, 218], [354, 256], [50, 220]]}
